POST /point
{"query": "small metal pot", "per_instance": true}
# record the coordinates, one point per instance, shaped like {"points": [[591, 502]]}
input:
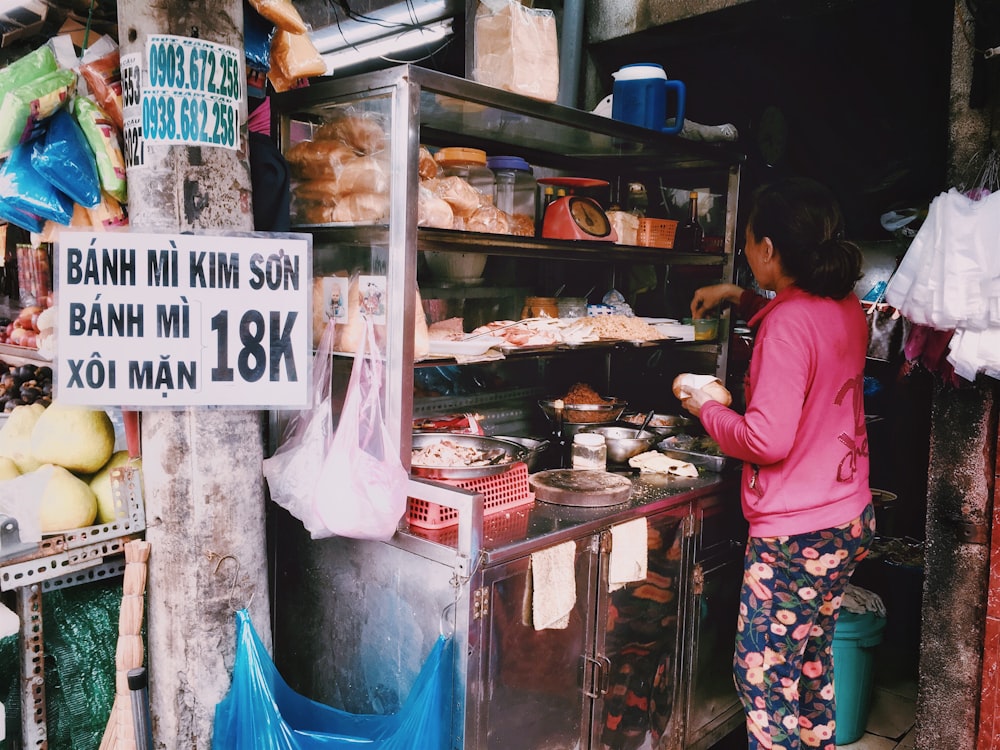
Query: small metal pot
{"points": [[623, 442]]}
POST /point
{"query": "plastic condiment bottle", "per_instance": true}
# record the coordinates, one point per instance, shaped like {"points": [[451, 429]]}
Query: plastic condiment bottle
{"points": [[515, 187], [470, 165], [589, 451]]}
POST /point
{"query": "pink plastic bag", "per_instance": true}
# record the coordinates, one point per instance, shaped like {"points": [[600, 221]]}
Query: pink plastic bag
{"points": [[361, 491], [293, 471]]}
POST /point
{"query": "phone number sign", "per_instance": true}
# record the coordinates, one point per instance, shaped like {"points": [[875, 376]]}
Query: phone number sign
{"points": [[151, 320], [193, 94]]}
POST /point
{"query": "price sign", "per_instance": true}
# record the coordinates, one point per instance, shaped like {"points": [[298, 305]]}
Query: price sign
{"points": [[193, 92], [148, 320]]}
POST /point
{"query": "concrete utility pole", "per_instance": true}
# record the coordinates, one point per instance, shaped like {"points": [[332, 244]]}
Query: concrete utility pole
{"points": [[201, 467]]}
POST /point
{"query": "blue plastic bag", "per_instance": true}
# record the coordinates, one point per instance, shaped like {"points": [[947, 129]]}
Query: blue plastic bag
{"points": [[63, 157], [261, 712], [21, 187]]}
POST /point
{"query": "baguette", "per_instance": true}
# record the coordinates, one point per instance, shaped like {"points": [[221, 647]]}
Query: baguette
{"points": [[709, 383]]}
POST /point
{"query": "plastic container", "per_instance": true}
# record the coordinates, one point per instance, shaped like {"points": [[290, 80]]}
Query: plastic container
{"points": [[514, 190], [589, 451], [470, 165], [705, 329], [540, 307], [854, 642], [571, 307]]}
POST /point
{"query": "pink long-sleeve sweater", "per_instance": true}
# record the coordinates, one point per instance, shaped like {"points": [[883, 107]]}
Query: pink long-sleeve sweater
{"points": [[802, 438]]}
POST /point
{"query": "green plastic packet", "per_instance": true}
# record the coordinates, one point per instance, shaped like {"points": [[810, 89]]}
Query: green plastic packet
{"points": [[26, 69], [25, 108]]}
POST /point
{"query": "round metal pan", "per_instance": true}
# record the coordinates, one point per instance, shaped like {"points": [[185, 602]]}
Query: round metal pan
{"points": [[511, 454], [593, 489]]}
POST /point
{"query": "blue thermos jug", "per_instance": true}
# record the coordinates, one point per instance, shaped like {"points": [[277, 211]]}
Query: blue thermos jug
{"points": [[640, 97]]}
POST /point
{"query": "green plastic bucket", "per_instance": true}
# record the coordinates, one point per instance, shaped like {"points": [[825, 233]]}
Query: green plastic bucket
{"points": [[854, 643]]}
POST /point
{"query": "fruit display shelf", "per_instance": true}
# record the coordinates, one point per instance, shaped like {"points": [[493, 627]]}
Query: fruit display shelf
{"points": [[59, 559], [69, 558]]}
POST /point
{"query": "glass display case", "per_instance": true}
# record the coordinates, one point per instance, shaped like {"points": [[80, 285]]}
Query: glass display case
{"points": [[358, 617]]}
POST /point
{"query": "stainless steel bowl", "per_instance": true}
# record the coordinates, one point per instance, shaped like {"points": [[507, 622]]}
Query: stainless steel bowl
{"points": [[534, 449], [505, 454], [585, 413], [663, 424], [623, 442]]}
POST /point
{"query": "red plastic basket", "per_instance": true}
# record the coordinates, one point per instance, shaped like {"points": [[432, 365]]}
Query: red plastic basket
{"points": [[499, 528], [500, 492], [656, 233]]}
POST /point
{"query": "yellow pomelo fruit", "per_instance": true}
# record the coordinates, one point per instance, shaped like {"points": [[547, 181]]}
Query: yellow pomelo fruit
{"points": [[8, 469], [75, 437], [100, 484], [15, 436], [67, 502]]}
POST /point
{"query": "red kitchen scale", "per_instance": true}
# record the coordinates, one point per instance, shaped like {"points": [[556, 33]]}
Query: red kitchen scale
{"points": [[576, 217]]}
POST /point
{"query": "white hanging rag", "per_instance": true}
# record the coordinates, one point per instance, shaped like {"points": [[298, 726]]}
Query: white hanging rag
{"points": [[10, 623], [629, 553], [553, 586]]}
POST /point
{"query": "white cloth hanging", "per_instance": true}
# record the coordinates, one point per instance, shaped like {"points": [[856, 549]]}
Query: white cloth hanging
{"points": [[950, 278]]}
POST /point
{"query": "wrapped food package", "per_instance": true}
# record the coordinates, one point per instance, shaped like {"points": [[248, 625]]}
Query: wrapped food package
{"points": [[295, 55], [281, 13], [363, 174], [457, 193], [433, 211], [362, 131], [318, 158], [108, 214], [104, 80], [361, 207], [347, 337], [516, 49], [102, 136], [427, 166]]}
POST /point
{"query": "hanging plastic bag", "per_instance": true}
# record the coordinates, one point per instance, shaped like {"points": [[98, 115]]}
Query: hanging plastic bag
{"points": [[23, 188], [261, 712], [63, 157], [362, 484], [291, 472]]}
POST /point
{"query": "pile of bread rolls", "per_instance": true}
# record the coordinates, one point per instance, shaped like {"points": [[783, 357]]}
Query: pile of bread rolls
{"points": [[342, 174]]}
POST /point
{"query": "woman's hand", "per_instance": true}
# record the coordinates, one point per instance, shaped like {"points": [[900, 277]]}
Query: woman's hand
{"points": [[692, 399], [707, 298]]}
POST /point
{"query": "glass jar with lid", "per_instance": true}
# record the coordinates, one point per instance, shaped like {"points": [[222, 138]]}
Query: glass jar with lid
{"points": [[514, 192], [470, 165], [589, 451]]}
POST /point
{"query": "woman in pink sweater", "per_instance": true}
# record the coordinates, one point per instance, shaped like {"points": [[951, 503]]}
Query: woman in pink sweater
{"points": [[804, 445]]}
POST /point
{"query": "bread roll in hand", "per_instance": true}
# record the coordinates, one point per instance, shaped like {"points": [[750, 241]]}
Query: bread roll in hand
{"points": [[709, 383]]}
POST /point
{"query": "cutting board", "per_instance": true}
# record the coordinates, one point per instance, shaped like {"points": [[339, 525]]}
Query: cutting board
{"points": [[588, 488]]}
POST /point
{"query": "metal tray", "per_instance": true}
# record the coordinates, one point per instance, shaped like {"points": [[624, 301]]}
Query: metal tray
{"points": [[704, 460], [512, 453], [663, 424]]}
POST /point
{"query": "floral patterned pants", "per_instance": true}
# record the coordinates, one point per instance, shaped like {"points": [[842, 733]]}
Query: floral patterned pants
{"points": [[792, 589]]}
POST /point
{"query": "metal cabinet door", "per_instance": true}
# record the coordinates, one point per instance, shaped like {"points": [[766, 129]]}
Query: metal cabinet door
{"points": [[713, 705], [530, 692], [639, 697]]}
